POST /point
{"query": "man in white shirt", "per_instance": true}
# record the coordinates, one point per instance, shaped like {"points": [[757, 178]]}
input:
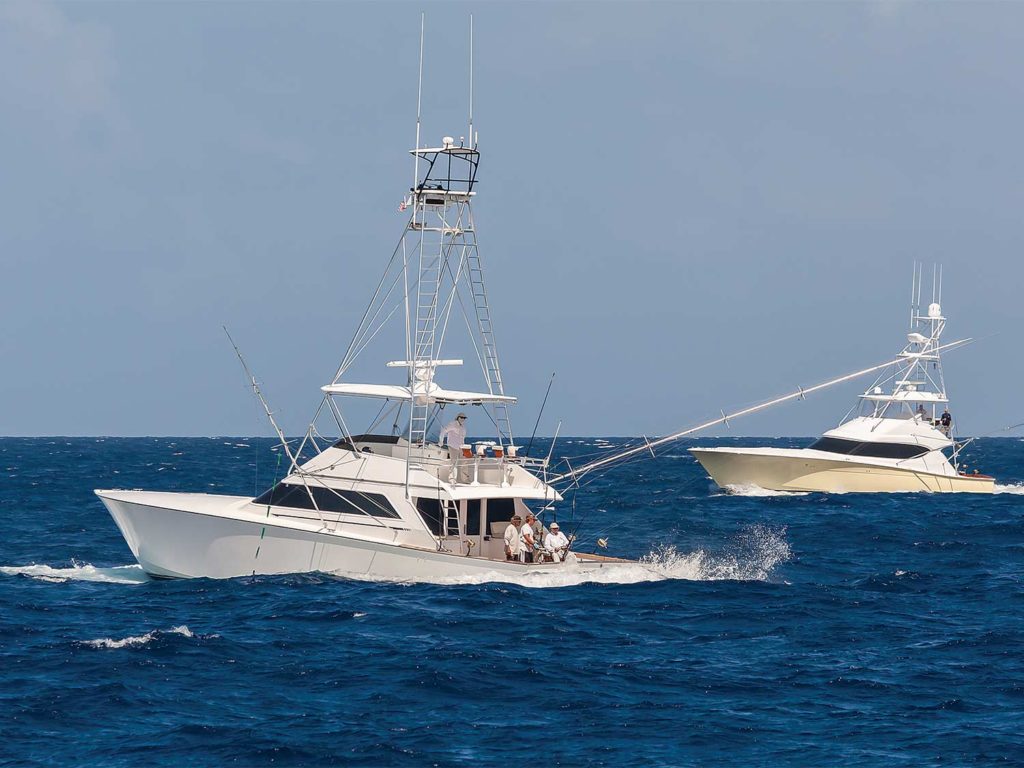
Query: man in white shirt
{"points": [[556, 543], [512, 540], [527, 541], [454, 433]]}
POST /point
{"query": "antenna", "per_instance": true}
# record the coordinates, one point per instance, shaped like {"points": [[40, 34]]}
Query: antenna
{"points": [[940, 283], [920, 279], [419, 102], [472, 144], [913, 291]]}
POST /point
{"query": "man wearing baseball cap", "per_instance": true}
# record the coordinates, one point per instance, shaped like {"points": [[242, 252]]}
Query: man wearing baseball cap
{"points": [[454, 433]]}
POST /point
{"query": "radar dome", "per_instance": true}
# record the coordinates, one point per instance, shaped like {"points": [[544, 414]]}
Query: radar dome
{"points": [[934, 310]]}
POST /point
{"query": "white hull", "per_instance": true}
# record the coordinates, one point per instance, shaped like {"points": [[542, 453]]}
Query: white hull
{"points": [[807, 470], [199, 535]]}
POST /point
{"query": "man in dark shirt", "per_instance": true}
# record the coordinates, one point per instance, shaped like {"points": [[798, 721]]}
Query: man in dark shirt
{"points": [[946, 421]]}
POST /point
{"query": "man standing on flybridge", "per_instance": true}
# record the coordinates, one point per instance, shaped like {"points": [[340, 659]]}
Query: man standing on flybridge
{"points": [[455, 433]]}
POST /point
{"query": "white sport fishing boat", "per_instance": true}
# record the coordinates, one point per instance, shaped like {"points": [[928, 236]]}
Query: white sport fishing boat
{"points": [[394, 504], [895, 442]]}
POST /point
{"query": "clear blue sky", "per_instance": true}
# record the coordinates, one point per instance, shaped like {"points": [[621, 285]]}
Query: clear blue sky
{"points": [[683, 206]]}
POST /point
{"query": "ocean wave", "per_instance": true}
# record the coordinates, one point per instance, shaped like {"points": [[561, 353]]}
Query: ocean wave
{"points": [[752, 556], [749, 489], [133, 640], [120, 574]]}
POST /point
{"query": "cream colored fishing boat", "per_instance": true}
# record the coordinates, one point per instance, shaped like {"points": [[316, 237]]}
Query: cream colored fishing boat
{"points": [[896, 440]]}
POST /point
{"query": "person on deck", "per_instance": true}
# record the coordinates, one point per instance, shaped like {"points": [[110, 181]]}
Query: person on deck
{"points": [[454, 433], [513, 542], [556, 543], [921, 412], [528, 541], [946, 421]]}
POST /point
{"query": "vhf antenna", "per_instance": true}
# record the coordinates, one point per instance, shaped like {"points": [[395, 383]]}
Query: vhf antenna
{"points": [[419, 103], [472, 142]]}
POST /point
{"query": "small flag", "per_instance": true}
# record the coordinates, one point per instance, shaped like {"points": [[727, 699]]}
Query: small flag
{"points": [[404, 204]]}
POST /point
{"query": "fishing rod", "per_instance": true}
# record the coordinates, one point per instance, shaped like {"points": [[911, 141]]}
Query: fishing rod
{"points": [[539, 414], [800, 393]]}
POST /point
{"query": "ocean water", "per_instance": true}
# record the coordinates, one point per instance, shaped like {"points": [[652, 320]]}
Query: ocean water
{"points": [[771, 629]]}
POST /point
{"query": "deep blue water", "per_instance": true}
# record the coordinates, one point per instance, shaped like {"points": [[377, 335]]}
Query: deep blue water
{"points": [[797, 630]]}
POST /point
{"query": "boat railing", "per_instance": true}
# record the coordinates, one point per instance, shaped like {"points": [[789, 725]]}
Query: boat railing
{"points": [[478, 469]]}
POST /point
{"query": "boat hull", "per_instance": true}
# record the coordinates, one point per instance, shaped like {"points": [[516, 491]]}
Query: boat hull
{"points": [[798, 471], [179, 538]]}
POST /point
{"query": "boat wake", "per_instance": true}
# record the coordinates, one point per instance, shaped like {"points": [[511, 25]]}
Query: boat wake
{"points": [[121, 574], [752, 556], [1017, 488], [134, 640], [746, 489]]}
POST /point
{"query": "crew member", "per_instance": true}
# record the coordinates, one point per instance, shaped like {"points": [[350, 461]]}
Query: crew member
{"points": [[454, 433], [513, 542], [528, 543], [946, 421], [556, 543]]}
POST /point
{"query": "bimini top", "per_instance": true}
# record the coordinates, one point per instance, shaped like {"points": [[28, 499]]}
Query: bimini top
{"points": [[432, 393]]}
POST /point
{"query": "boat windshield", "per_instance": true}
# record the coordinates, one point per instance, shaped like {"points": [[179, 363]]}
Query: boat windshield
{"points": [[886, 409]]}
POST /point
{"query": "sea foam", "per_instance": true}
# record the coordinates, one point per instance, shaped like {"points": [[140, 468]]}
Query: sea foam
{"points": [[747, 489], [1017, 488], [134, 640], [752, 556], [120, 574]]}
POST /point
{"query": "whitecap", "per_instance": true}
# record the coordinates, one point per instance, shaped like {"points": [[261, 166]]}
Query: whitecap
{"points": [[133, 640], [121, 574]]}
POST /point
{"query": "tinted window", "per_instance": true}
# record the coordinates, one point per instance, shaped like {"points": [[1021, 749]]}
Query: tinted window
{"points": [[500, 509], [382, 439], [874, 450], [328, 500], [430, 511]]}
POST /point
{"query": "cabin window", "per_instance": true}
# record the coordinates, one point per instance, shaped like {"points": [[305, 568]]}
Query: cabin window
{"points": [[500, 510], [327, 500], [873, 450], [430, 511]]}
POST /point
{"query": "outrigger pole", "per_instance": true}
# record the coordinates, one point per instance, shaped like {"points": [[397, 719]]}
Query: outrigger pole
{"points": [[263, 402], [800, 393]]}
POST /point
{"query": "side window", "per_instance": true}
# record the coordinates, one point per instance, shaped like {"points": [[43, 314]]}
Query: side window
{"points": [[430, 511], [500, 509], [328, 500]]}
